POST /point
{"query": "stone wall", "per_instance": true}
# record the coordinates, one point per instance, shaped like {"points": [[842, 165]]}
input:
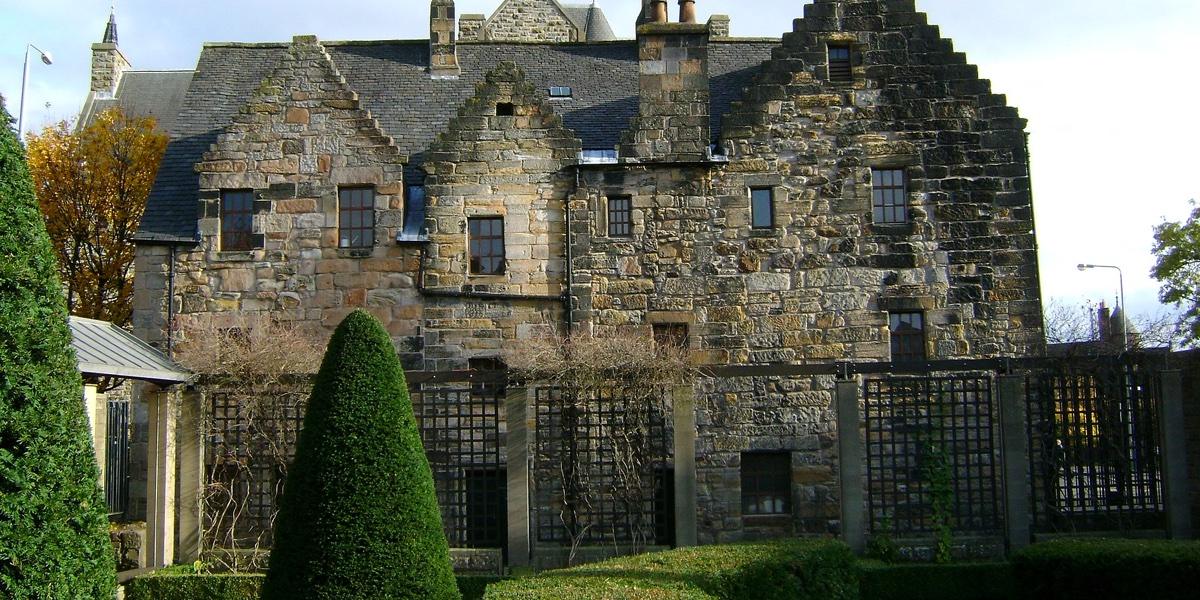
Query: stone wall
{"points": [[491, 165], [818, 285], [530, 21], [301, 137]]}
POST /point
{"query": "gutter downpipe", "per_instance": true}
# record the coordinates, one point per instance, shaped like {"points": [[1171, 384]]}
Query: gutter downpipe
{"points": [[570, 267], [171, 305]]}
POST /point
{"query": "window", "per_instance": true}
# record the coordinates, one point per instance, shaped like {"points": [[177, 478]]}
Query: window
{"points": [[237, 220], [766, 483], [356, 217], [620, 216], [840, 70], [908, 336], [670, 335], [762, 208], [561, 92], [414, 213], [487, 508], [505, 109], [486, 241], [889, 196]]}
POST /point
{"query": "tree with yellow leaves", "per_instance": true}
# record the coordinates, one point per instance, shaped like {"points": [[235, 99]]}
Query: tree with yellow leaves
{"points": [[92, 186]]}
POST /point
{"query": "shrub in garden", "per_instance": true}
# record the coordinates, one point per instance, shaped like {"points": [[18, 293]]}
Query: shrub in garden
{"points": [[791, 570], [359, 516], [1100, 569], [53, 521]]}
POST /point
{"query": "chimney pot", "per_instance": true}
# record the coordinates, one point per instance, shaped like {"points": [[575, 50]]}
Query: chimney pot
{"points": [[659, 10], [687, 11]]}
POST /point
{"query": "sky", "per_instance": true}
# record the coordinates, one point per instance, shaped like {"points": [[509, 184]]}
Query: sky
{"points": [[1109, 88]]}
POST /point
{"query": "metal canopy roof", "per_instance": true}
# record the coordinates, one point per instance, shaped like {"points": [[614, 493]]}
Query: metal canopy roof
{"points": [[105, 350]]}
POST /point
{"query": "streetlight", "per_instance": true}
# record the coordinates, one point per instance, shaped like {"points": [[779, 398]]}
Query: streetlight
{"points": [[1124, 308], [47, 59]]}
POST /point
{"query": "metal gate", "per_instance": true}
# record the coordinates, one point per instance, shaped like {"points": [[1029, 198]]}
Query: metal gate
{"points": [[116, 465]]}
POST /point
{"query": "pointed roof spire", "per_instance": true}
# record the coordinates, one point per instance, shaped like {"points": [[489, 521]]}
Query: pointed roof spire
{"points": [[110, 32]]}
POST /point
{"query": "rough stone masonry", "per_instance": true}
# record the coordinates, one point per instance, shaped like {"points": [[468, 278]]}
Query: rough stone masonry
{"points": [[751, 170]]}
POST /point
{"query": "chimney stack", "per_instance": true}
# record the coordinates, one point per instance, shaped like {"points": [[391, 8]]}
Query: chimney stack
{"points": [[443, 54], [687, 11], [108, 63], [673, 104]]}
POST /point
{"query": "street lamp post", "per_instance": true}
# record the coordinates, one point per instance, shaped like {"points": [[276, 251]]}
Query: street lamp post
{"points": [[1124, 308], [47, 59]]}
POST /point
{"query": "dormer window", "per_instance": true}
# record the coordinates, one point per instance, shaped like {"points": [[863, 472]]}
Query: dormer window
{"points": [[840, 66], [561, 92]]}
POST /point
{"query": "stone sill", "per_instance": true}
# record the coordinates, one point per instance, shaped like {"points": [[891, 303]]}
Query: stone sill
{"points": [[367, 252], [236, 256]]}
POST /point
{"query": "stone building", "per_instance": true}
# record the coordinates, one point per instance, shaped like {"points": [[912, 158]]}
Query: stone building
{"points": [[852, 191]]}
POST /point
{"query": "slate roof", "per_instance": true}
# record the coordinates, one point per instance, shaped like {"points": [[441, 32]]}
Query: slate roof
{"points": [[591, 21], [105, 350], [157, 94], [393, 83]]}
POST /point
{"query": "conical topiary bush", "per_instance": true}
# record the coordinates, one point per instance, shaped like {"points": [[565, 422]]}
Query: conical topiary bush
{"points": [[53, 521], [359, 517]]}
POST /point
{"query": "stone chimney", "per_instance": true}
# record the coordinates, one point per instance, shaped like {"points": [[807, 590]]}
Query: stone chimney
{"points": [[443, 57], [470, 27], [718, 26], [673, 106], [108, 63]]}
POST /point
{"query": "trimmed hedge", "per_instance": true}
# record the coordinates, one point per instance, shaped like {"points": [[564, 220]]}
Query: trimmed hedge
{"points": [[1100, 569], [169, 585], [955, 581], [359, 516], [53, 520], [790, 570]]}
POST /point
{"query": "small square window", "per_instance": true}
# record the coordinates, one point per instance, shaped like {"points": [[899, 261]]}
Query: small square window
{"points": [[762, 208], [840, 67], [561, 92], [889, 196], [237, 220], [766, 483], [486, 245], [505, 109], [356, 217], [620, 216], [908, 336]]}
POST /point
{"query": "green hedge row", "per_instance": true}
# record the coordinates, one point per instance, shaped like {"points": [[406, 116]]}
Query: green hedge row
{"points": [[1102, 569], [956, 581], [168, 585], [791, 570]]}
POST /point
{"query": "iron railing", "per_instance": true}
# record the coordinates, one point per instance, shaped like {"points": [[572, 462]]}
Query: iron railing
{"points": [[462, 429], [932, 455], [116, 464], [1095, 451], [602, 467]]}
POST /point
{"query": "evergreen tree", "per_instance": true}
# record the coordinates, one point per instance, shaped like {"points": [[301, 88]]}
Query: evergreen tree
{"points": [[359, 516], [53, 521]]}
